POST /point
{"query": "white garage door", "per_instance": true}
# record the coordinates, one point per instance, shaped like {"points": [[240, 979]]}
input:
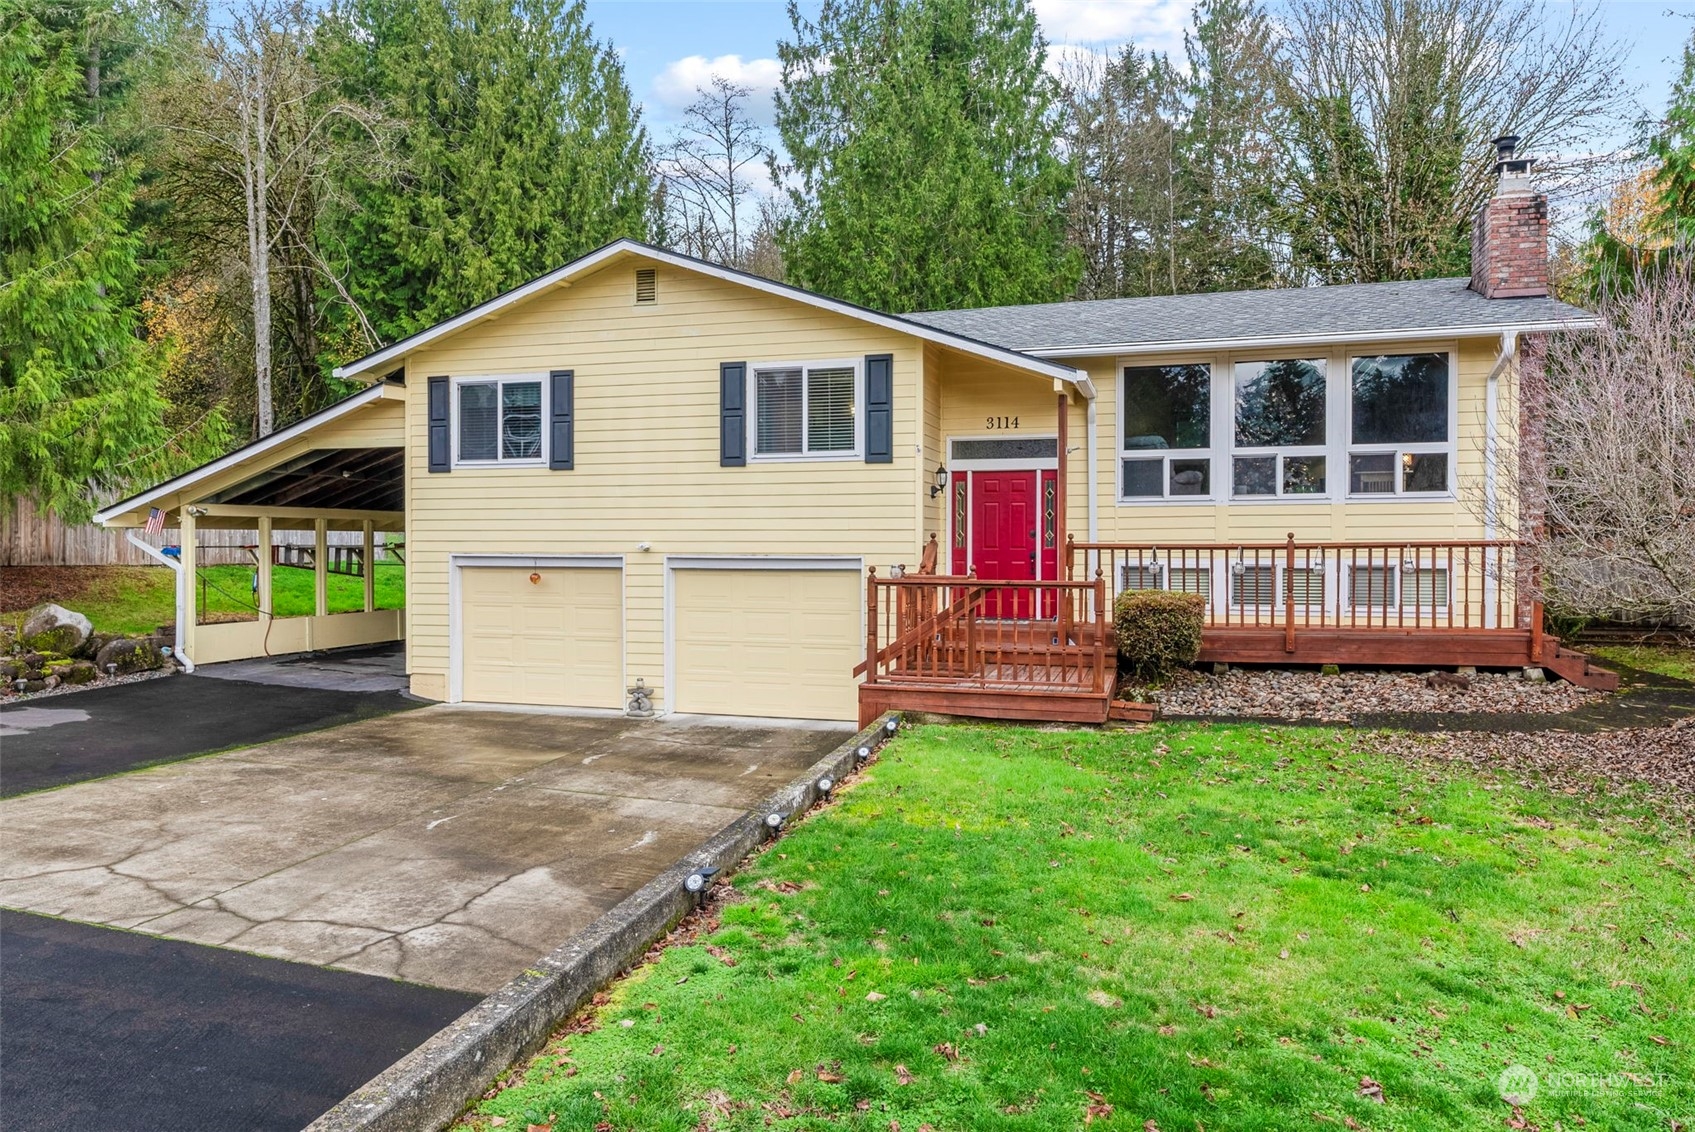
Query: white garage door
{"points": [[556, 640], [779, 643]]}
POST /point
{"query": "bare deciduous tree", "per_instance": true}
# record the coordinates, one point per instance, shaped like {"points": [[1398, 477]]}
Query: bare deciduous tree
{"points": [[254, 124], [1393, 105], [710, 197], [1605, 483]]}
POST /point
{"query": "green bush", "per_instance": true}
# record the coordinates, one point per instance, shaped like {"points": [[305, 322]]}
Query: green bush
{"points": [[1158, 631]]}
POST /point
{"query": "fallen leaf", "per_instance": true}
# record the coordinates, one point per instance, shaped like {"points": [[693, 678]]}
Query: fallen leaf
{"points": [[497, 1122], [828, 1077], [1351, 1123], [903, 1075], [1371, 1090], [1183, 896], [1658, 1040], [873, 996], [1095, 1106], [950, 1052], [794, 1077]]}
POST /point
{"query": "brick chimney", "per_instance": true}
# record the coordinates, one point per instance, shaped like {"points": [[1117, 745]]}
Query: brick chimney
{"points": [[1509, 240]]}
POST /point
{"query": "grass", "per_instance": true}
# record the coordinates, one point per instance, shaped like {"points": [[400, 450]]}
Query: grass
{"points": [[137, 600], [1665, 660], [1193, 926]]}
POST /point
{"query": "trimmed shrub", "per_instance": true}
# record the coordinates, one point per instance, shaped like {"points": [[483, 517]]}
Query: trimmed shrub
{"points": [[1158, 631]]}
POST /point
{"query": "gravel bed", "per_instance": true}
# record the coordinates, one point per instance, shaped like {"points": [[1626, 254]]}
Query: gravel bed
{"points": [[1305, 694], [7, 696], [1660, 760]]}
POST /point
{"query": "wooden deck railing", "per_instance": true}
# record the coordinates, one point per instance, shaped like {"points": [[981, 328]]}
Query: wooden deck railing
{"points": [[1291, 585], [939, 631]]}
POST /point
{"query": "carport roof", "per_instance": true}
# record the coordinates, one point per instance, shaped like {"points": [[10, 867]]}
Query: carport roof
{"points": [[289, 468]]}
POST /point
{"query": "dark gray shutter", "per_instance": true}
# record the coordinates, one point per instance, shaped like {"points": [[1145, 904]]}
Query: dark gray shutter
{"points": [[879, 408], [561, 453], [441, 435], [732, 414]]}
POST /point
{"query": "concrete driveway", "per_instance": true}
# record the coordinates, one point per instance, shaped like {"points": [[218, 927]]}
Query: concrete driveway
{"points": [[444, 846]]}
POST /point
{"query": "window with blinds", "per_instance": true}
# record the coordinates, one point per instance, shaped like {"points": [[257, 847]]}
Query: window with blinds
{"points": [[499, 420], [806, 410]]}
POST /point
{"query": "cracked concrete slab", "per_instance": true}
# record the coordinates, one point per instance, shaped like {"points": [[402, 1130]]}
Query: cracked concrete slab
{"points": [[444, 846]]}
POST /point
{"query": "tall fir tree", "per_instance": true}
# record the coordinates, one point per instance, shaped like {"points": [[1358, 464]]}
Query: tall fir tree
{"points": [[921, 137], [80, 410], [518, 143]]}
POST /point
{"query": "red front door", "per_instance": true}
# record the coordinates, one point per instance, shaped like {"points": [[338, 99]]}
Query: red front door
{"points": [[1004, 518]]}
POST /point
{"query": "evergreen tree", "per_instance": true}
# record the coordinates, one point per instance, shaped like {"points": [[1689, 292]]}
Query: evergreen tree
{"points": [[80, 410], [518, 144], [921, 135]]}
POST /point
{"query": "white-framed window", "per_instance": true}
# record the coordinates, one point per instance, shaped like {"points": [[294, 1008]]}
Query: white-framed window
{"points": [[804, 410], [1401, 425], [498, 420], [1279, 429], [1165, 440]]}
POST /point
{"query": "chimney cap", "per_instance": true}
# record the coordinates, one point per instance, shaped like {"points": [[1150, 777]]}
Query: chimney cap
{"points": [[1506, 145], [1513, 169]]}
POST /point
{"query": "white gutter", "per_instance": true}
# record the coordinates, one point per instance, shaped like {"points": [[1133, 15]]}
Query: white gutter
{"points": [[1402, 335], [1491, 429], [182, 592]]}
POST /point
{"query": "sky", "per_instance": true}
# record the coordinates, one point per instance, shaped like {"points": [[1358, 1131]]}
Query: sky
{"points": [[670, 47]]}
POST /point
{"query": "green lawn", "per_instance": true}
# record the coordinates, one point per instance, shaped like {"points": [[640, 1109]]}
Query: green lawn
{"points": [[140, 599], [1663, 659], [1197, 927]]}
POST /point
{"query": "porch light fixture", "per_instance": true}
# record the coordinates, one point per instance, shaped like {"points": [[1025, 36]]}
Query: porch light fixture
{"points": [[940, 483]]}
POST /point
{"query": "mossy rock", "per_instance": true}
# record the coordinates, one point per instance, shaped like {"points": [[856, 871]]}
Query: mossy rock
{"points": [[10, 670], [79, 672], [127, 656], [53, 628], [97, 641]]}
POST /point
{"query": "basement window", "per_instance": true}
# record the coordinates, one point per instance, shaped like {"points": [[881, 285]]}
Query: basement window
{"points": [[647, 286]]}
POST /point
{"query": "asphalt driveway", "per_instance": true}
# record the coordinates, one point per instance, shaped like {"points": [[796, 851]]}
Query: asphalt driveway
{"points": [[99, 731], [360, 872]]}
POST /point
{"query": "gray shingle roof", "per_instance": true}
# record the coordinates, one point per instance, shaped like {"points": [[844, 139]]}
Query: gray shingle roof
{"points": [[1340, 311]]}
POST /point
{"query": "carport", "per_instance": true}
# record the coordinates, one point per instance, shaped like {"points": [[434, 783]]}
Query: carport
{"points": [[341, 469]]}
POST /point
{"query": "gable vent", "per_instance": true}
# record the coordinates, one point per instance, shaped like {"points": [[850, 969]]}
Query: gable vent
{"points": [[647, 288]]}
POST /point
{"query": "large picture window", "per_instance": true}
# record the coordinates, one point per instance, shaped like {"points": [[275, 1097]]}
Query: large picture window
{"points": [[805, 409], [1166, 447], [1401, 425], [499, 420], [1279, 433]]}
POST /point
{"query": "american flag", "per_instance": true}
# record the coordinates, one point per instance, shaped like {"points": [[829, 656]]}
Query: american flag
{"points": [[155, 521]]}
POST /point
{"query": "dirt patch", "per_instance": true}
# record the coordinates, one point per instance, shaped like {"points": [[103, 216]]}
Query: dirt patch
{"points": [[1659, 760], [25, 587]]}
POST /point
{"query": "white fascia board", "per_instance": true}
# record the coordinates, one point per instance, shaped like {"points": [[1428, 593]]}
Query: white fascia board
{"points": [[1281, 341], [595, 259], [247, 452]]}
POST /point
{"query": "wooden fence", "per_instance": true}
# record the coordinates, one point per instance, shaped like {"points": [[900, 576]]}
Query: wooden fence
{"points": [[29, 537]]}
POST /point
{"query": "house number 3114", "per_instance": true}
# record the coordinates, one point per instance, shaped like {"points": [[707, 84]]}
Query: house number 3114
{"points": [[1002, 422]]}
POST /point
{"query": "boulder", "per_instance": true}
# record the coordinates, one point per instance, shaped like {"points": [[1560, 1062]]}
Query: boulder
{"points": [[34, 686], [97, 641], [53, 628], [127, 656], [79, 672], [10, 670]]}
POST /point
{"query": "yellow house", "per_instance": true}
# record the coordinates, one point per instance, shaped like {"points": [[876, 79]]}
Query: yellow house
{"points": [[644, 470]]}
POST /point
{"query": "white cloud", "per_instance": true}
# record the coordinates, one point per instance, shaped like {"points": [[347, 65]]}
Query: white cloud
{"points": [[679, 83], [1156, 24]]}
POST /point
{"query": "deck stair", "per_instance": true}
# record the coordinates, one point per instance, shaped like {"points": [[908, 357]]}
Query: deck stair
{"points": [[1577, 667]]}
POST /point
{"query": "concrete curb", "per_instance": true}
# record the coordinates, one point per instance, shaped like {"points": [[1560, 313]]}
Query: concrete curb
{"points": [[430, 1087]]}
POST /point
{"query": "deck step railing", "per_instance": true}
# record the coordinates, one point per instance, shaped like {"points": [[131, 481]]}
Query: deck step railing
{"points": [[941, 631], [1292, 585]]}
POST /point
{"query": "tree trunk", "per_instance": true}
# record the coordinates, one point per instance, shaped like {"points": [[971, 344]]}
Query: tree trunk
{"points": [[257, 176]]}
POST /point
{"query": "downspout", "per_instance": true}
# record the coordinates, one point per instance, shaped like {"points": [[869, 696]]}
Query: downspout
{"points": [[1491, 426], [182, 593]]}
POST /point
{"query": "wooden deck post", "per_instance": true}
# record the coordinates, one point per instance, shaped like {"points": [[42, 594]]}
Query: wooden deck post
{"points": [[1059, 475], [1289, 595], [320, 566], [1100, 631], [188, 546], [871, 625]]}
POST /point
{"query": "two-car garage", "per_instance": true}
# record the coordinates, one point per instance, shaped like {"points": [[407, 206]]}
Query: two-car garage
{"points": [[774, 638]]}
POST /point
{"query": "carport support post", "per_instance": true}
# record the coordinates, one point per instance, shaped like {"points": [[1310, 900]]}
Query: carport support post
{"points": [[188, 611], [368, 564], [263, 554], [321, 566]]}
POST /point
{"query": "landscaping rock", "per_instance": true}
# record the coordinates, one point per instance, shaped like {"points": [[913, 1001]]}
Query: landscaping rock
{"points": [[1449, 680], [10, 670], [97, 641], [131, 655], [1305, 694], [33, 686], [53, 628], [79, 672]]}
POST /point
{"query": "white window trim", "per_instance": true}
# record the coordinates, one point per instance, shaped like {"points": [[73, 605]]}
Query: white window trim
{"points": [[754, 369], [1338, 430], [1450, 448], [501, 380], [1167, 454]]}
